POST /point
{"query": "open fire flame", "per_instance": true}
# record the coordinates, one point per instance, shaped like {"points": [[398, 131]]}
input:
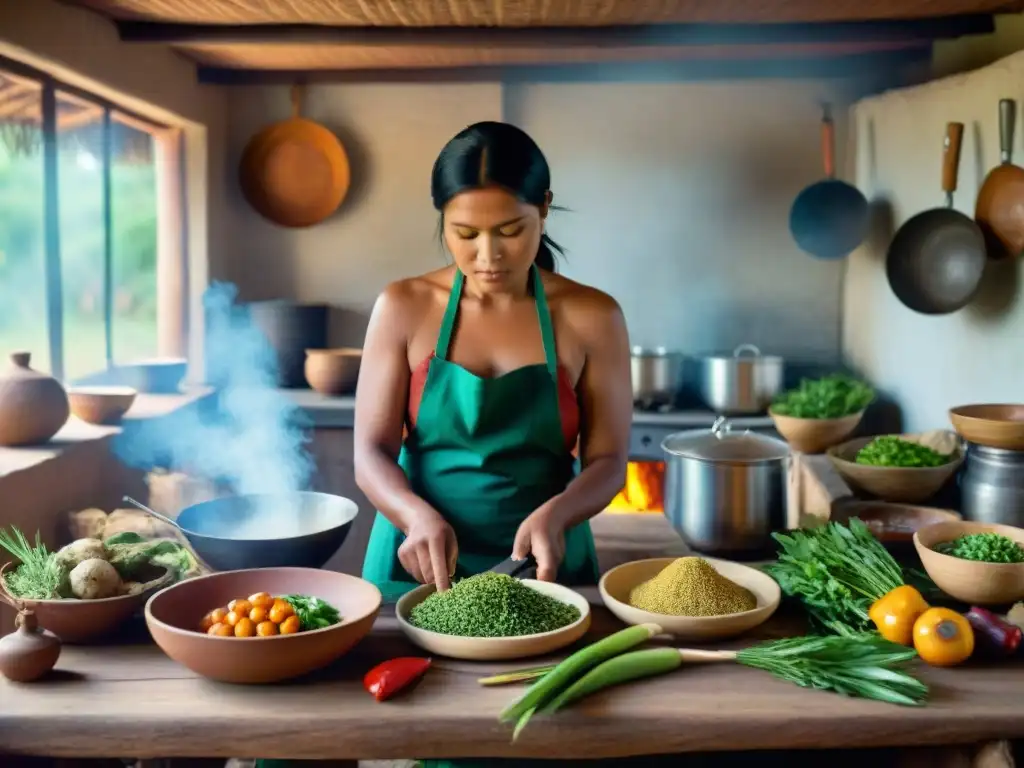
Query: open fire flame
{"points": [[644, 489]]}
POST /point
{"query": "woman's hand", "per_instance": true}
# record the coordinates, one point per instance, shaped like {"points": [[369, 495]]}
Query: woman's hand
{"points": [[544, 536], [430, 550]]}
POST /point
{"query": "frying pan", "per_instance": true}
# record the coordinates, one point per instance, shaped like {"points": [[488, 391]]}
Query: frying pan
{"points": [[830, 218], [301, 529], [999, 209], [936, 260], [295, 172]]}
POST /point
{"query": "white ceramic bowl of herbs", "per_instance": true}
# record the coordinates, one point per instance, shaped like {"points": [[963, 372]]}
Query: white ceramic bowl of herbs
{"points": [[502, 608]]}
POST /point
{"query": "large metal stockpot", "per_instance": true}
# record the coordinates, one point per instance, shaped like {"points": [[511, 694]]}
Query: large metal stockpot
{"points": [[657, 376], [743, 382], [725, 490], [992, 486]]}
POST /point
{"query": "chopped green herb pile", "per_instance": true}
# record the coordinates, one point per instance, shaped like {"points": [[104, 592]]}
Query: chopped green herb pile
{"points": [[313, 612], [492, 605], [893, 451], [830, 397], [865, 665], [983, 547], [837, 572]]}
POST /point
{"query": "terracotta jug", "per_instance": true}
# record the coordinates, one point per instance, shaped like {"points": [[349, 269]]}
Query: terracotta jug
{"points": [[33, 406]]}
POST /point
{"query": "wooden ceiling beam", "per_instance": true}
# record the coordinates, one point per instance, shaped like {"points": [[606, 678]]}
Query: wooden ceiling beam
{"points": [[618, 36], [884, 67]]}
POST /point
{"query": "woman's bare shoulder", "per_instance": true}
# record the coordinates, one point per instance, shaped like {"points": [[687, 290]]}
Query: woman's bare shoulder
{"points": [[406, 301], [583, 306]]}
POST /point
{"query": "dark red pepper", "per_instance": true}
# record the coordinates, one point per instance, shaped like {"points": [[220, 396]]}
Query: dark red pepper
{"points": [[386, 679], [997, 637]]}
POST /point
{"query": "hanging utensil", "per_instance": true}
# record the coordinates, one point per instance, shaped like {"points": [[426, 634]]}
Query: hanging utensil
{"points": [[999, 209], [829, 219], [295, 172], [937, 258]]}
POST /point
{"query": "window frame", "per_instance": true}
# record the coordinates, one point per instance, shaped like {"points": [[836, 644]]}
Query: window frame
{"points": [[172, 256]]}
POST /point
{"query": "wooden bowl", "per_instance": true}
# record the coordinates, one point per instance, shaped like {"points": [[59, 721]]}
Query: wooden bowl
{"points": [[333, 371], [101, 405], [894, 525], [992, 425], [815, 435], [969, 581], [174, 613], [617, 583], [904, 484], [496, 648], [82, 621]]}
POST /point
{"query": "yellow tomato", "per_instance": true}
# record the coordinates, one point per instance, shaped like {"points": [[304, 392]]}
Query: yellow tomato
{"points": [[266, 629], [245, 628], [233, 618], [894, 614], [221, 630], [241, 607], [943, 637], [261, 599], [290, 625], [217, 615], [258, 613], [280, 611]]}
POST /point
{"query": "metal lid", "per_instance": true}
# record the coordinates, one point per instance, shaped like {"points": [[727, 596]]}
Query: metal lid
{"points": [[722, 445], [743, 353], [653, 352]]}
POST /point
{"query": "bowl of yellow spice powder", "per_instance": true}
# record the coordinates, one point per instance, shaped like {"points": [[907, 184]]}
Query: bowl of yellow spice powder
{"points": [[692, 598]]}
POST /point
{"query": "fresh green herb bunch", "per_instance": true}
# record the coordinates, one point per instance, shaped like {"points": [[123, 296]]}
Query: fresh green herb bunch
{"points": [[983, 547], [39, 576], [865, 665], [837, 572], [313, 612], [492, 605], [830, 397], [893, 451]]}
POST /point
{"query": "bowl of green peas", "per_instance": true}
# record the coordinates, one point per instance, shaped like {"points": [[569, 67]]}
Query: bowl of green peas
{"points": [[908, 468], [976, 563]]}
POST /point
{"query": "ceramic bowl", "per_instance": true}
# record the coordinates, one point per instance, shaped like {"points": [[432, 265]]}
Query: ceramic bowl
{"points": [[970, 581], [992, 425], [894, 525], [101, 405], [173, 616], [617, 583], [815, 435], [333, 372], [904, 484], [496, 648], [83, 621]]}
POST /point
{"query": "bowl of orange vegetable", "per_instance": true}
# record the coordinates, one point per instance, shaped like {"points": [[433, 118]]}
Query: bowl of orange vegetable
{"points": [[262, 625]]}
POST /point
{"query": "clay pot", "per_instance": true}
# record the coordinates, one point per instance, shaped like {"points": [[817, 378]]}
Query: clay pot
{"points": [[333, 371], [29, 652], [33, 406]]}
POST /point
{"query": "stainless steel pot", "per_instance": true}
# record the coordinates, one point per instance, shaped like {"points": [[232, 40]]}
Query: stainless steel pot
{"points": [[992, 486], [743, 382], [657, 376], [726, 491]]}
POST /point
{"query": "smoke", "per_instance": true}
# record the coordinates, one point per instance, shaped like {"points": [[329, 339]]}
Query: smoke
{"points": [[251, 438]]}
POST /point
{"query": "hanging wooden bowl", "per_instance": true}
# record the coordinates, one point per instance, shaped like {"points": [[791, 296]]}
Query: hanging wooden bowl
{"points": [[295, 172]]}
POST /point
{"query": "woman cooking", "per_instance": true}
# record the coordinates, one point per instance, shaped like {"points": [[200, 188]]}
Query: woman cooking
{"points": [[479, 380], [495, 367]]}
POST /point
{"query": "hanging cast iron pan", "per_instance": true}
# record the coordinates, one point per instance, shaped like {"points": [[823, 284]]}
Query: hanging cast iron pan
{"points": [[830, 218], [936, 260], [295, 172], [999, 209]]}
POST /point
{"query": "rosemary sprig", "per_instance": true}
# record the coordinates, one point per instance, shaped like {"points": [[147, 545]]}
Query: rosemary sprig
{"points": [[39, 576], [865, 665], [837, 572]]}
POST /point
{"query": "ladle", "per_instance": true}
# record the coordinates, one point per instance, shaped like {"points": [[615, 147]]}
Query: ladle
{"points": [[154, 513]]}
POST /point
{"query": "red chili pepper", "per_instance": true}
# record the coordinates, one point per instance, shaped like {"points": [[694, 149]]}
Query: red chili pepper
{"points": [[999, 637], [386, 679]]}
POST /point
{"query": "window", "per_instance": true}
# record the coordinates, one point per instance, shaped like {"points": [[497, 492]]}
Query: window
{"points": [[81, 202]]}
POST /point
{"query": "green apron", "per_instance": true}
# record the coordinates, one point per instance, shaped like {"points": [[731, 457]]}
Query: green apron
{"points": [[485, 453]]}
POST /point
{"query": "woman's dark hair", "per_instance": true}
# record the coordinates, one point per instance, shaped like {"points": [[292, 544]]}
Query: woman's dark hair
{"points": [[492, 153]]}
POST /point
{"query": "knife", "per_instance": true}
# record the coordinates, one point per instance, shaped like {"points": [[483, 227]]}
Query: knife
{"points": [[517, 569]]}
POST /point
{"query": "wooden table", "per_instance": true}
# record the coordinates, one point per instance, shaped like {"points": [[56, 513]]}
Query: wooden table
{"points": [[130, 700]]}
